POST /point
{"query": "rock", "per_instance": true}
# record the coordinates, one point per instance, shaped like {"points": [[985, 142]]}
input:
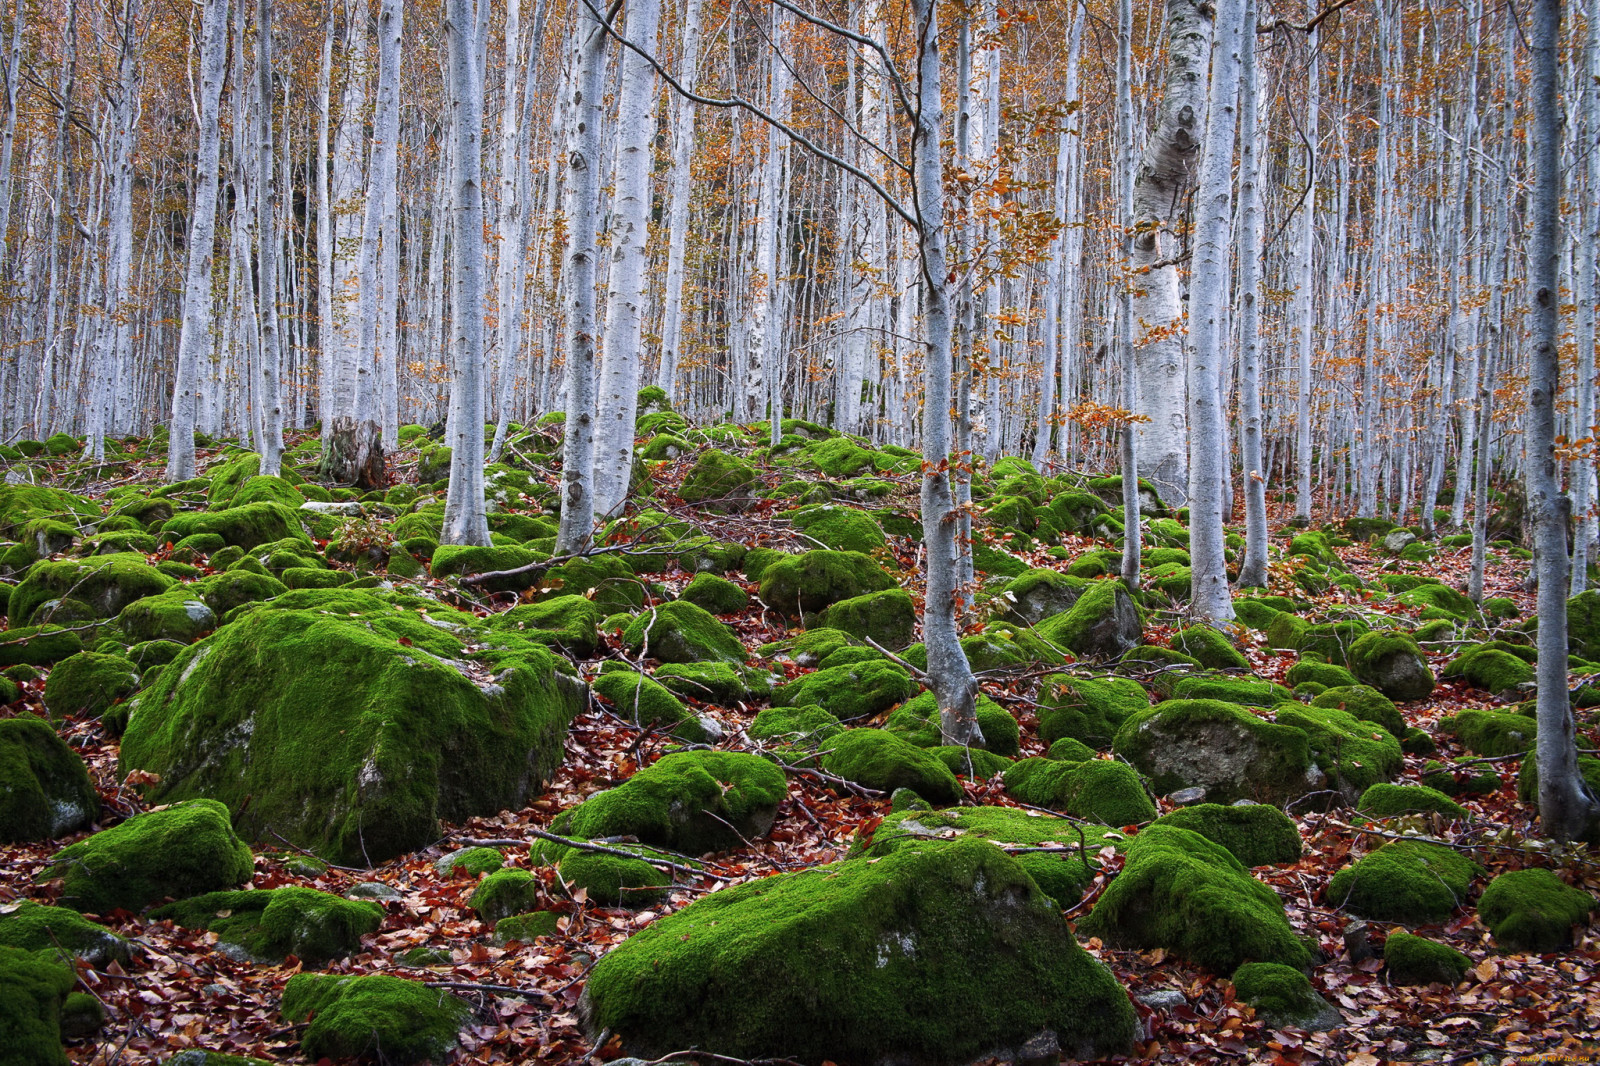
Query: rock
{"points": [[375, 890], [246, 527], [840, 528], [570, 623], [1244, 691], [525, 928], [880, 760], [177, 851], [641, 700], [504, 893], [403, 1020], [609, 880], [473, 861], [37, 645], [1256, 834], [692, 802], [1391, 662], [720, 481], [1096, 789], [856, 690], [1103, 623], [1412, 960], [32, 991], [714, 594], [805, 583], [1397, 540], [1357, 939], [888, 617], [1179, 891], [1163, 999], [1533, 910], [917, 720], [45, 791], [348, 726], [1404, 881], [1219, 746], [1365, 703], [271, 924], [1284, 998], [88, 683], [1492, 733], [1211, 647], [1352, 753], [1087, 709], [1193, 794], [1039, 594], [1389, 801], [341, 508], [175, 616], [859, 962], [680, 632], [107, 583], [1492, 670], [34, 927]]}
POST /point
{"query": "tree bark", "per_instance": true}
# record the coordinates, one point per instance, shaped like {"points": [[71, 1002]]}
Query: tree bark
{"points": [[1253, 568]]}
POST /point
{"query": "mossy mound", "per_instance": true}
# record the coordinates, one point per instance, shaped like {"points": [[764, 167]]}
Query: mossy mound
{"points": [[245, 527], [1099, 790], [693, 802], [315, 927], [403, 1021], [33, 989], [503, 893], [1392, 663], [460, 560], [840, 528], [37, 645], [795, 725], [570, 623], [1102, 623], [1256, 834], [473, 862], [887, 617], [883, 761], [917, 720], [642, 701], [1533, 910], [856, 690], [608, 880], [1329, 675], [1180, 891], [1491, 669], [1211, 647], [1218, 746], [859, 962], [1244, 691], [1493, 732], [1460, 777], [107, 583], [178, 851], [351, 725], [45, 791], [1415, 960], [89, 683], [975, 763], [32, 926], [1407, 881], [1283, 996], [720, 481], [680, 632], [176, 616], [1087, 709], [1365, 703], [1353, 753], [525, 928], [1038, 594], [1389, 801], [803, 584], [716, 595], [714, 682]]}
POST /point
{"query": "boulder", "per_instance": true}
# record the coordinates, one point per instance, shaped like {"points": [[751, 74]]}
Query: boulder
{"points": [[1210, 647], [34, 927], [720, 481], [840, 528], [33, 989], [404, 1021], [1391, 662], [1220, 747], [1103, 623], [107, 583], [1039, 594], [805, 583], [1099, 790], [315, 927], [714, 594], [881, 760], [1533, 910], [860, 962], [1413, 960], [88, 683], [888, 617], [917, 720], [1087, 709], [680, 632], [1408, 881], [1257, 834], [854, 690], [1283, 997], [45, 791]]}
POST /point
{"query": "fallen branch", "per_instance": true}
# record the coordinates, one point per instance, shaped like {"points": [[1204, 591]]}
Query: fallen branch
{"points": [[501, 990], [598, 849]]}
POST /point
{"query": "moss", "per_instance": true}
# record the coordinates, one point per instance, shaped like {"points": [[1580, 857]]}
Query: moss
{"points": [[265, 489], [1103, 623], [402, 1020], [756, 561], [917, 720], [37, 645], [504, 893], [1490, 669], [1404, 881], [603, 578], [474, 862], [89, 683], [570, 623], [1387, 801], [808, 582], [881, 760], [1492, 732], [1528, 777], [175, 616], [1210, 647], [840, 528], [526, 928], [1286, 631], [680, 632], [858, 690], [611, 880], [1281, 995], [1333, 641], [693, 802], [455, 560], [1440, 598], [721, 683], [1096, 789], [306, 577], [1244, 691], [352, 723], [1414, 960], [177, 851], [817, 643], [794, 725], [1355, 754], [860, 961], [975, 763], [32, 991], [244, 527], [720, 481], [1391, 662], [1180, 891], [1254, 612], [714, 594], [1219, 746], [1365, 703], [1314, 545], [1533, 910], [1038, 594], [887, 617], [82, 1016], [641, 700], [1467, 780], [45, 791], [315, 927], [1329, 675], [1257, 834], [32, 926], [107, 583]]}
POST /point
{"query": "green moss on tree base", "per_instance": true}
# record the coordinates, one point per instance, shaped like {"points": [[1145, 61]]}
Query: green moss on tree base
{"points": [[917, 721]]}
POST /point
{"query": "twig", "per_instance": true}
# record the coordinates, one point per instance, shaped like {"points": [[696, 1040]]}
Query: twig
{"points": [[598, 849], [469, 986], [919, 674]]}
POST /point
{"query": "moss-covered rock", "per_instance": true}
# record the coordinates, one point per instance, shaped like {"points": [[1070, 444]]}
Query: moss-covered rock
{"points": [[1329, 675], [503, 893], [1087, 709], [887, 617], [37, 645], [1384, 800], [1099, 790], [859, 962], [840, 528], [1404, 881], [642, 701], [794, 725], [1354, 754], [714, 594], [33, 988], [1102, 623], [856, 690], [315, 927], [1492, 732], [917, 720], [810, 581], [1283, 997], [526, 928], [244, 527], [89, 683], [1415, 960], [680, 632], [570, 623], [1528, 776], [1491, 669], [1363, 702], [45, 791], [235, 588], [32, 926], [473, 862], [720, 481], [1256, 834], [459, 560], [1391, 662], [693, 802], [1180, 891], [107, 583], [1038, 594], [177, 851], [608, 880], [1211, 647], [176, 616], [403, 1020], [881, 760], [351, 724], [1533, 910], [1244, 691], [1220, 747]]}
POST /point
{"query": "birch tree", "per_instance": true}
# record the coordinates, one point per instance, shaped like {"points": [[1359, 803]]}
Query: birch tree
{"points": [[1253, 568], [268, 406], [681, 182]]}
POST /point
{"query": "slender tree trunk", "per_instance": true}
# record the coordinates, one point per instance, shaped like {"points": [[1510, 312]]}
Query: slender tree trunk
{"points": [[1064, 261], [672, 328], [509, 261], [1588, 223], [1125, 282], [1253, 568], [270, 420], [1304, 284]]}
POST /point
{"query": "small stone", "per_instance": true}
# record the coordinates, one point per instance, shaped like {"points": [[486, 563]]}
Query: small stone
{"points": [[375, 890], [1185, 796], [1398, 540], [1357, 941], [1163, 999]]}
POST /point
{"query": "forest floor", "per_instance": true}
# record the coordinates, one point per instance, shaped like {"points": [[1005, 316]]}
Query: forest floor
{"points": [[180, 993]]}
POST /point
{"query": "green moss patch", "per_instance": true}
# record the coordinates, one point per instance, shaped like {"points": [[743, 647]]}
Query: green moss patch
{"points": [[810, 581], [1283, 996], [1491, 669], [1353, 753], [1404, 881], [1256, 834], [1087, 709], [1365, 703], [1389, 801], [89, 683], [32, 991], [680, 632], [349, 1016], [720, 481], [857, 690], [1392, 663], [1102, 623], [1096, 789], [1218, 746], [1493, 732], [45, 791], [570, 623], [1533, 910], [1211, 647], [32, 926], [107, 583], [1415, 960], [716, 595], [883, 761], [315, 927]]}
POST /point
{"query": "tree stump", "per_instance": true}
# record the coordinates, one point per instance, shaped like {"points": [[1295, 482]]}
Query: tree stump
{"points": [[354, 455]]}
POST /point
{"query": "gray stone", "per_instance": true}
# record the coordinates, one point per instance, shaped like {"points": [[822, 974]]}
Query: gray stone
{"points": [[1163, 999], [1185, 796], [375, 890], [1398, 539]]}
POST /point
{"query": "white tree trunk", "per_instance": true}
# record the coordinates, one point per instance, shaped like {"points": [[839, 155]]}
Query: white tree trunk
{"points": [[1127, 213], [1253, 568], [672, 331], [350, 377], [766, 305], [1588, 225], [270, 407]]}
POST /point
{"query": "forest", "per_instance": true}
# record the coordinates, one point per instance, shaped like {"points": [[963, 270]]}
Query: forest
{"points": [[799, 532]]}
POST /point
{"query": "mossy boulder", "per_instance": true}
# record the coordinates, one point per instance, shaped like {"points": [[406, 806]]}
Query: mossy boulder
{"points": [[887, 617], [1354, 754], [45, 791], [33, 926], [245, 527], [404, 1021], [351, 725], [680, 632], [855, 690], [473, 862], [1180, 891], [177, 851], [569, 623], [1099, 790], [1492, 670], [840, 528], [1211, 647], [1102, 623], [503, 893], [1407, 881], [1492, 732], [802, 584], [794, 725], [107, 583], [881, 760], [1533, 910], [1363, 702], [1391, 662], [1283, 997], [1256, 834], [1244, 691], [917, 720], [315, 927], [1583, 624], [525, 928], [859, 962], [37, 645], [714, 594], [88, 683], [640, 700], [720, 481], [608, 880], [461, 560], [176, 616], [33, 989], [1038, 594], [1219, 747], [1528, 776], [1384, 800], [693, 802], [1415, 960]]}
